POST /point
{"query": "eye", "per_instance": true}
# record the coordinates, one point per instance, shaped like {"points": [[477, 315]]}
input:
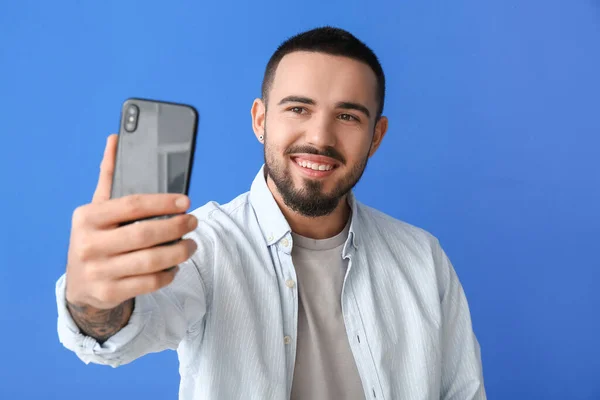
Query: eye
{"points": [[348, 117], [297, 110]]}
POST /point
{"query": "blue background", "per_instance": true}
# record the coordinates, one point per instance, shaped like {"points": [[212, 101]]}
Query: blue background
{"points": [[493, 146]]}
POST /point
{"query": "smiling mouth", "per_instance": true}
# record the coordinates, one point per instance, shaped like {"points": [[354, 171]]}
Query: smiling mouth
{"points": [[315, 166]]}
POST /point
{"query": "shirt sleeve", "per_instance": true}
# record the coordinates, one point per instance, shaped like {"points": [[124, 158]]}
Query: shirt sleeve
{"points": [[159, 321], [462, 371]]}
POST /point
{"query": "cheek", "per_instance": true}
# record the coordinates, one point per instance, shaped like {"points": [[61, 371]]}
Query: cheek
{"points": [[276, 128], [355, 148], [280, 137], [275, 148]]}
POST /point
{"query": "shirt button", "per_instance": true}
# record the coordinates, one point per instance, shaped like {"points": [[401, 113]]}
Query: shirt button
{"points": [[289, 283], [287, 340], [285, 242]]}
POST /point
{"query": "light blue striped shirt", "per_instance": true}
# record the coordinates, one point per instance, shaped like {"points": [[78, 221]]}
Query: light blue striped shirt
{"points": [[233, 320]]}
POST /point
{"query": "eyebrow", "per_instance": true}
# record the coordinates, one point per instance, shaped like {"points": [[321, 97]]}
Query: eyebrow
{"points": [[346, 105]]}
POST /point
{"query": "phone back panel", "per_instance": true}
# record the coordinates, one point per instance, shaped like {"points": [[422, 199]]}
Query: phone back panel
{"points": [[157, 155]]}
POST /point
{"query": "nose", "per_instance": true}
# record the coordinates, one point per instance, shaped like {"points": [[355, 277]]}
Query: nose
{"points": [[320, 133]]}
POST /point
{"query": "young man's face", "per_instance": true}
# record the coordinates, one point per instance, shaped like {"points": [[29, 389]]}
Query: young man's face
{"points": [[319, 129]]}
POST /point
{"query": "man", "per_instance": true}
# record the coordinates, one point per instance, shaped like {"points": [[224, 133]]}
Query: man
{"points": [[294, 289]]}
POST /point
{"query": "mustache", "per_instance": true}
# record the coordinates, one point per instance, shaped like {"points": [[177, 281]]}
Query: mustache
{"points": [[327, 152]]}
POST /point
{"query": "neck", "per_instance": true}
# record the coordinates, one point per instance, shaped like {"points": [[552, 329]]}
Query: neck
{"points": [[314, 227]]}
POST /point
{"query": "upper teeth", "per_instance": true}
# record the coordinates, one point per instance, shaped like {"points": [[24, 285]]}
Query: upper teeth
{"points": [[315, 166]]}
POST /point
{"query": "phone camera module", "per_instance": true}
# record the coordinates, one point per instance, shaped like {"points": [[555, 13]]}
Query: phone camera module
{"points": [[131, 117]]}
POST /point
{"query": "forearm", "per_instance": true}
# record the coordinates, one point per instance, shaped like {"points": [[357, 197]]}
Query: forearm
{"points": [[101, 324]]}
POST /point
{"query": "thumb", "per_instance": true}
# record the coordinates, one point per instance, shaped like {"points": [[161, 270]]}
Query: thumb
{"points": [[107, 168]]}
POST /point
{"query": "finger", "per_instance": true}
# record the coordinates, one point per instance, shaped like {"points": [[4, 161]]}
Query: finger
{"points": [[107, 167], [146, 234], [148, 261], [130, 287], [131, 208], [144, 284]]}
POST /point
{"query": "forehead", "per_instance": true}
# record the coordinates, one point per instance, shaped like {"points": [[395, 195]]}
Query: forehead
{"points": [[325, 78]]}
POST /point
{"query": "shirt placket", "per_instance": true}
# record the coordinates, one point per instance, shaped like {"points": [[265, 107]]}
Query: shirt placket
{"points": [[358, 338], [288, 289]]}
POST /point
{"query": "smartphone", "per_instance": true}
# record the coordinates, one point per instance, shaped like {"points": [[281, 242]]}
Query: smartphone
{"points": [[155, 150]]}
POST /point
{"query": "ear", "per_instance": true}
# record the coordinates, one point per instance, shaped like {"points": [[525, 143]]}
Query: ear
{"points": [[381, 128], [258, 118]]}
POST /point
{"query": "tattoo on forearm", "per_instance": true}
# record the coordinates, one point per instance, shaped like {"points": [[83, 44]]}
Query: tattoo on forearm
{"points": [[100, 324]]}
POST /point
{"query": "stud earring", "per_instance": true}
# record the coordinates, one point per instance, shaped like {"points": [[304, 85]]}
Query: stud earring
{"points": [[260, 138]]}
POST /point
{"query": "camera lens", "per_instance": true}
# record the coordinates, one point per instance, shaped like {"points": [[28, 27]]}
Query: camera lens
{"points": [[130, 120]]}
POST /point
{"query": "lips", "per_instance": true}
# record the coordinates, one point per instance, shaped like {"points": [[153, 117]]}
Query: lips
{"points": [[315, 166], [308, 160]]}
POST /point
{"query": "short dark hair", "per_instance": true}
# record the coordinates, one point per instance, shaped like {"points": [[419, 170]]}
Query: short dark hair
{"points": [[328, 40]]}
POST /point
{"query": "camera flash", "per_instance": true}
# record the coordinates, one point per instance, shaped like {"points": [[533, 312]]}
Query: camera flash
{"points": [[131, 119]]}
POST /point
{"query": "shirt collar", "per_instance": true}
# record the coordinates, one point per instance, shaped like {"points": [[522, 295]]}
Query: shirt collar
{"points": [[272, 222]]}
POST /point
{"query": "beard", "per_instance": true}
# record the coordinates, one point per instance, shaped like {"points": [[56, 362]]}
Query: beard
{"points": [[309, 199]]}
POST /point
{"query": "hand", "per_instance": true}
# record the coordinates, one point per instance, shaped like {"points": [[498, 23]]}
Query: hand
{"points": [[109, 264]]}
